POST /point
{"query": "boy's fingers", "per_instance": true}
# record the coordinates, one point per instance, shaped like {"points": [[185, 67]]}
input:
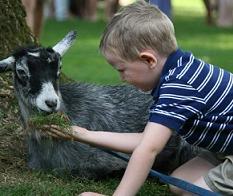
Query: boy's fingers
{"points": [[56, 131], [52, 126], [52, 135], [58, 135]]}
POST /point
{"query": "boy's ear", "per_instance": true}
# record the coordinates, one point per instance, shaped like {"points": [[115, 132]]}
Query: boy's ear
{"points": [[149, 58]]}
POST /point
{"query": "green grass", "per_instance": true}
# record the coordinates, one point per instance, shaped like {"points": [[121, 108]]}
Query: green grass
{"points": [[83, 62], [39, 183], [210, 43]]}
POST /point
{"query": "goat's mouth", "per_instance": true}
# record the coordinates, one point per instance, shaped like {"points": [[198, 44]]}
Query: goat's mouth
{"points": [[46, 112]]}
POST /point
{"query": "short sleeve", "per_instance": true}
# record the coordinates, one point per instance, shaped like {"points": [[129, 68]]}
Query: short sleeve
{"points": [[177, 103]]}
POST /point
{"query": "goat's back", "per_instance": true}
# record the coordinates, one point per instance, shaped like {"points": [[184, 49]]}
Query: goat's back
{"points": [[111, 108]]}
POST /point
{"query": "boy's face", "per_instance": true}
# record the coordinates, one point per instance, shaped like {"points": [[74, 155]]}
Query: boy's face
{"points": [[139, 73]]}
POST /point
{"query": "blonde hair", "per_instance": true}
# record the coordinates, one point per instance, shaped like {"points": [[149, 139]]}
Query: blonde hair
{"points": [[137, 27]]}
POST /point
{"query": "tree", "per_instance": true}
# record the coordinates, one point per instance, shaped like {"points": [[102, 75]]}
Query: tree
{"points": [[14, 33], [14, 30]]}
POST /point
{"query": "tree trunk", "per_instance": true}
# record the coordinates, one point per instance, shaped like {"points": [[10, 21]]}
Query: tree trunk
{"points": [[14, 30], [14, 34]]}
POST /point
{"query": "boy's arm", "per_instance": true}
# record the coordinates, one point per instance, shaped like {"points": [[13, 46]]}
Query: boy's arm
{"points": [[154, 139], [123, 142], [145, 147]]}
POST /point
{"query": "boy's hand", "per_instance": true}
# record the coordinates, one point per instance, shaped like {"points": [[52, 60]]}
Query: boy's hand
{"points": [[74, 133]]}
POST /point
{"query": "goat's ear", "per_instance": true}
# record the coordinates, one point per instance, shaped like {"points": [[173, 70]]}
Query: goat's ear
{"points": [[62, 46], [22, 70], [7, 64]]}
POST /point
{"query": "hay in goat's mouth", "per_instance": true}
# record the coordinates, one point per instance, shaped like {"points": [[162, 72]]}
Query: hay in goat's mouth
{"points": [[59, 119]]}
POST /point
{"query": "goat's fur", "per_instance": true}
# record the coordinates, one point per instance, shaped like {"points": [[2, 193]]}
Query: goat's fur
{"points": [[114, 108]]}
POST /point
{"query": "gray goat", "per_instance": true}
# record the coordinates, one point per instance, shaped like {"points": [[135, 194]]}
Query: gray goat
{"points": [[117, 108]]}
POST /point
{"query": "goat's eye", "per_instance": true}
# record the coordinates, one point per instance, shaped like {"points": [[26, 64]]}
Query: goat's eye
{"points": [[23, 77], [22, 70], [22, 74]]}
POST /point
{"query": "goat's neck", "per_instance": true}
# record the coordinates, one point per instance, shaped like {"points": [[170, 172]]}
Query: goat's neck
{"points": [[25, 114], [23, 106]]}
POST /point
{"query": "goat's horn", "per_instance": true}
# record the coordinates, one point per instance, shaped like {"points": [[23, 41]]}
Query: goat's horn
{"points": [[7, 64], [62, 46]]}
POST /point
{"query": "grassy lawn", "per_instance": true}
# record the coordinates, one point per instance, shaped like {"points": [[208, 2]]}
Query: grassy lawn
{"points": [[84, 63]]}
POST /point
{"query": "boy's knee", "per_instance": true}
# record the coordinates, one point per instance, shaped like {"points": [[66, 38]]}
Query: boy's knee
{"points": [[175, 190]]}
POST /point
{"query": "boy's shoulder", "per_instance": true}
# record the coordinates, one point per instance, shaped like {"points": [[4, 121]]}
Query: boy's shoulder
{"points": [[183, 67], [177, 62]]}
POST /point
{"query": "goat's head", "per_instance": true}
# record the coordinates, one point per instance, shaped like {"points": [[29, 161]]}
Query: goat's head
{"points": [[36, 72]]}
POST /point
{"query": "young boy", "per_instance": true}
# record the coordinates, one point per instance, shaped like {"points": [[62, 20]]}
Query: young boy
{"points": [[191, 97]]}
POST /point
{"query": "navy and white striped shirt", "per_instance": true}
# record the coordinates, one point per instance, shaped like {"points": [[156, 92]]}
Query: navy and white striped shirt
{"points": [[196, 100]]}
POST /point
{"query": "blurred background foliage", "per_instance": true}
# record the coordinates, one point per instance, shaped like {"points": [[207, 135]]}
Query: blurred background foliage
{"points": [[83, 62]]}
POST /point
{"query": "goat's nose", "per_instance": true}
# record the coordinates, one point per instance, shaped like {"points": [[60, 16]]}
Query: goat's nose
{"points": [[52, 104]]}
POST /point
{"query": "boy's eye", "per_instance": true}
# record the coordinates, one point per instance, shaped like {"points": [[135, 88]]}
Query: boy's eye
{"points": [[120, 70]]}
